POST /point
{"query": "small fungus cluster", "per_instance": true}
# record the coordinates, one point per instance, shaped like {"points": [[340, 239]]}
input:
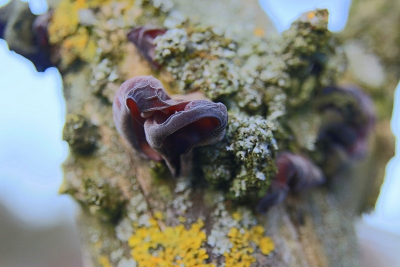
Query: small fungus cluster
{"points": [[253, 79], [161, 128], [295, 173]]}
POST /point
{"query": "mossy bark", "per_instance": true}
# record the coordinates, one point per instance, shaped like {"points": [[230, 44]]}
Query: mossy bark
{"points": [[121, 193]]}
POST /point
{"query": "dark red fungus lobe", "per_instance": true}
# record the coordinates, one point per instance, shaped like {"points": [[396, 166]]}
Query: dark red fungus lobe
{"points": [[161, 128], [143, 93], [143, 38], [40, 28], [295, 173], [33, 30], [357, 120], [174, 134]]}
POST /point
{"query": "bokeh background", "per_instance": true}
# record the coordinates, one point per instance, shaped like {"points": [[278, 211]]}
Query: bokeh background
{"points": [[37, 225]]}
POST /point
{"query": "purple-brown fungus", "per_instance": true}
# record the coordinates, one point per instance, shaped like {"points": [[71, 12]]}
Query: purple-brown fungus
{"points": [[143, 38], [174, 134], [350, 119], [161, 128], [295, 173]]}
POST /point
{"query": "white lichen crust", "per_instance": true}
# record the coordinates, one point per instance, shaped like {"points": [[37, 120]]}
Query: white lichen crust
{"points": [[246, 155]]}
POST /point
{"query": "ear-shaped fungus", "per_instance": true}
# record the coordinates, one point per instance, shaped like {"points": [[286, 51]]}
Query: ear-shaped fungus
{"points": [[161, 128], [143, 38], [295, 173], [127, 117], [356, 113], [174, 134]]}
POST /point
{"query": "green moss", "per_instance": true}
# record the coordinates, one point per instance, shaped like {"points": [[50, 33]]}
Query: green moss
{"points": [[345, 104], [159, 170], [80, 134], [102, 199]]}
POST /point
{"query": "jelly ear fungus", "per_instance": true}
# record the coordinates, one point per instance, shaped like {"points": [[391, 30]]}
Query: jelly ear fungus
{"points": [[295, 173], [193, 124], [354, 121], [158, 127], [143, 38]]}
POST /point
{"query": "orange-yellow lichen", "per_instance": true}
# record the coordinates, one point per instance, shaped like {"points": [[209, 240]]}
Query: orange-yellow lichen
{"points": [[64, 21], [73, 38], [78, 46], [241, 252], [175, 246], [237, 216], [178, 246], [103, 261], [259, 32], [181, 219], [158, 215], [311, 15]]}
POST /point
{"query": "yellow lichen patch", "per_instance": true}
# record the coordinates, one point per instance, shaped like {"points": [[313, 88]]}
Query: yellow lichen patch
{"points": [[259, 32], [103, 261], [64, 21], [265, 243], [241, 252], [237, 216], [175, 246], [77, 46], [310, 15], [67, 32], [158, 215], [181, 219]]}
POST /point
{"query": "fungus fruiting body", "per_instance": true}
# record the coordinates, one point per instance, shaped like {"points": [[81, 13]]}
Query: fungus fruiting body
{"points": [[143, 38], [350, 117], [173, 135], [295, 173], [161, 128]]}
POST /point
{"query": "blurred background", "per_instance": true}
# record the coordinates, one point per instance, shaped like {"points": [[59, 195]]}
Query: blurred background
{"points": [[37, 225]]}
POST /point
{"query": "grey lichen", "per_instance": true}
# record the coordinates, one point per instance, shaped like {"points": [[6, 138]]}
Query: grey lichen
{"points": [[263, 82], [223, 223], [80, 134], [199, 59], [313, 59], [245, 158], [110, 25], [103, 199], [305, 59]]}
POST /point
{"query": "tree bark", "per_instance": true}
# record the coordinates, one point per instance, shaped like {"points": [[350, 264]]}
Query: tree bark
{"points": [[127, 201]]}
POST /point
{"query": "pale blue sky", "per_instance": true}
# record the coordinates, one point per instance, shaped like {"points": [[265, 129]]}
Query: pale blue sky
{"points": [[284, 12], [32, 112]]}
